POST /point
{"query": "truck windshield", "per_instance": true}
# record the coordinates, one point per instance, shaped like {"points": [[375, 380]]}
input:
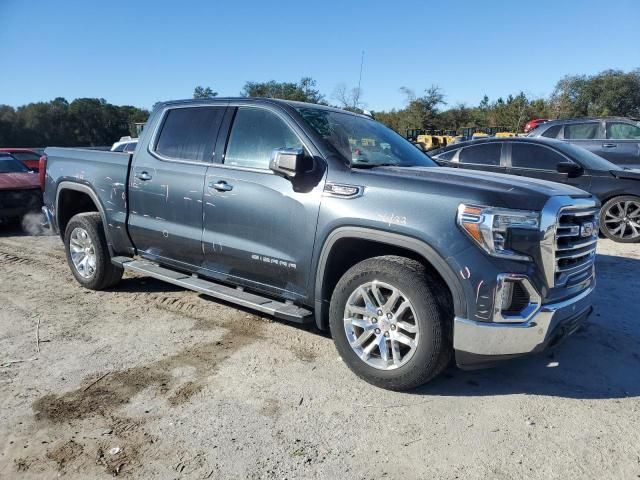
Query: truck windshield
{"points": [[363, 142], [8, 164]]}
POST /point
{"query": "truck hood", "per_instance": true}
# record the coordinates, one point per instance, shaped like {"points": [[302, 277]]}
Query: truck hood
{"points": [[18, 181], [496, 189]]}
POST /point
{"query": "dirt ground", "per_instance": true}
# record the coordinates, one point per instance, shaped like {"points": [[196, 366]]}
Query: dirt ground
{"points": [[150, 381]]}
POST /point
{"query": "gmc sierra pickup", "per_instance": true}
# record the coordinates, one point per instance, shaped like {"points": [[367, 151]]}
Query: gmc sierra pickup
{"points": [[310, 213]]}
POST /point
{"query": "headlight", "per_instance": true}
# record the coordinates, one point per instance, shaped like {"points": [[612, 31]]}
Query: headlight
{"points": [[489, 227]]}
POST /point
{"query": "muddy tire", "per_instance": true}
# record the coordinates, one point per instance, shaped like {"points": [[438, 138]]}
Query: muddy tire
{"points": [[388, 324], [85, 245]]}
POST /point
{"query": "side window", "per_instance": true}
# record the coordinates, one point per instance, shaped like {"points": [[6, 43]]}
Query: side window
{"points": [[552, 132], [487, 154], [189, 133], [581, 131], [26, 156], [130, 147], [622, 131], [120, 148], [255, 133], [446, 156], [525, 155]]}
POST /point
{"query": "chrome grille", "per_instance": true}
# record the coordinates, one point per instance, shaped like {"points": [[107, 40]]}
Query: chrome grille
{"points": [[575, 245]]}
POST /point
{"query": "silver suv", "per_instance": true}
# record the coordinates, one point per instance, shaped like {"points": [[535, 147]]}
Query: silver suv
{"points": [[616, 139]]}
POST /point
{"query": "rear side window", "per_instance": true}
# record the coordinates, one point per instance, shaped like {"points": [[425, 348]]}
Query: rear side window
{"points": [[552, 132], [617, 131], [120, 148], [189, 133], [130, 147], [535, 157], [487, 154], [581, 131], [255, 134]]}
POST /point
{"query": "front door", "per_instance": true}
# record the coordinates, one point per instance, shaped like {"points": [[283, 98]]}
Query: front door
{"points": [[167, 182], [538, 161], [259, 228], [622, 145]]}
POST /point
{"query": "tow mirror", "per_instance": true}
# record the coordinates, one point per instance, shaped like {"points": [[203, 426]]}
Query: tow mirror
{"points": [[570, 168], [289, 162]]}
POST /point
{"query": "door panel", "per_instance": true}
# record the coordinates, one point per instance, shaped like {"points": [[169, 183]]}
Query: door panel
{"points": [[622, 145], [166, 187], [587, 135], [259, 228]]}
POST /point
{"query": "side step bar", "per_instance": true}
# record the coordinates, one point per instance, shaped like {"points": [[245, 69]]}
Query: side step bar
{"points": [[282, 310]]}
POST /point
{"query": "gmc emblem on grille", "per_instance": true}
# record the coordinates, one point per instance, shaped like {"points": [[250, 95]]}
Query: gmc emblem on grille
{"points": [[586, 229]]}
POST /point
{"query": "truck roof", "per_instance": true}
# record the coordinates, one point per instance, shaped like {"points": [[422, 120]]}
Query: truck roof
{"points": [[258, 100]]}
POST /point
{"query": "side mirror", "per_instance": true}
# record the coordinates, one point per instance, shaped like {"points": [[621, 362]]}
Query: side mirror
{"points": [[570, 168], [289, 162]]}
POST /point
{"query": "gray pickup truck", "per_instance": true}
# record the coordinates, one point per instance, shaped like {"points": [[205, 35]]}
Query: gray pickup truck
{"points": [[313, 214]]}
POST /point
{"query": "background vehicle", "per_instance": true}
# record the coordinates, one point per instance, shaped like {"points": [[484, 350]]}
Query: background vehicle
{"points": [[618, 189], [27, 156], [19, 189], [616, 139], [125, 144], [260, 202], [533, 124]]}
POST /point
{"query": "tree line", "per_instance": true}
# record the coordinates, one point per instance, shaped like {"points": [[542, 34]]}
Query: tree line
{"points": [[95, 122]]}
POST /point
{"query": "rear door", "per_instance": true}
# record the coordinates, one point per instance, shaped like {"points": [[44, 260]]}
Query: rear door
{"points": [[482, 156], [541, 161], [166, 185], [622, 144], [259, 228], [589, 135]]}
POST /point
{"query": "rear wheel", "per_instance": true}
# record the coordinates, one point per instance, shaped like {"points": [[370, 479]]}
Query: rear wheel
{"points": [[87, 252], [620, 219], [387, 324]]}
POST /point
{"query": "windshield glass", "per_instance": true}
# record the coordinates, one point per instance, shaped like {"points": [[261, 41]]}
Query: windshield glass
{"points": [[362, 141], [8, 164], [586, 158]]}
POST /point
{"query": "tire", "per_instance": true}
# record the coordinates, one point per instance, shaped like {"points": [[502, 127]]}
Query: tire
{"points": [[100, 273], [429, 316], [619, 230]]}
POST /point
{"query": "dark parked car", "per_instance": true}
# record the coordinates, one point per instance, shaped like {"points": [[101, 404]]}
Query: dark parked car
{"points": [[616, 139], [617, 188]]}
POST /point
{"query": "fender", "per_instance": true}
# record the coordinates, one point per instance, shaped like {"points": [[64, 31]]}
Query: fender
{"points": [[79, 187], [394, 239]]}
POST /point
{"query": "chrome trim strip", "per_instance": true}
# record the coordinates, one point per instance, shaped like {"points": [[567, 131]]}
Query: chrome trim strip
{"points": [[535, 300]]}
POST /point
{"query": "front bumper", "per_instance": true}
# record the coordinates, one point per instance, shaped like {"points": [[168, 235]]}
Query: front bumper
{"points": [[478, 344]]}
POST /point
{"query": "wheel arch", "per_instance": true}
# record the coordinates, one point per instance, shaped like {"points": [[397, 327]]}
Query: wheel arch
{"points": [[376, 242], [73, 198]]}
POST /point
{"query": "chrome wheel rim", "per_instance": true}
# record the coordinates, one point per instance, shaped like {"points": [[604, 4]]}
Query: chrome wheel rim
{"points": [[83, 253], [622, 220], [381, 325]]}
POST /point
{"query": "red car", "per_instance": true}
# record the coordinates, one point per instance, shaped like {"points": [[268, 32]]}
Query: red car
{"points": [[20, 191], [26, 155], [533, 124]]}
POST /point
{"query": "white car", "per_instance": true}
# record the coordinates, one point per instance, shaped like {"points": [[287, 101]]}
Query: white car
{"points": [[125, 144]]}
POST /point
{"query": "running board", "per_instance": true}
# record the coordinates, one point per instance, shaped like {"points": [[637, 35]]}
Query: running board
{"points": [[282, 310]]}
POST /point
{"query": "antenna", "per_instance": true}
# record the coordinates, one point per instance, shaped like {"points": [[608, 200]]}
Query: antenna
{"points": [[360, 77]]}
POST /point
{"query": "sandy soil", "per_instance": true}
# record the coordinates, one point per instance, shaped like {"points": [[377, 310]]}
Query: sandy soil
{"points": [[149, 381]]}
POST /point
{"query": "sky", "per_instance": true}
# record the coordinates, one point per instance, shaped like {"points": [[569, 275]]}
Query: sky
{"points": [[140, 52]]}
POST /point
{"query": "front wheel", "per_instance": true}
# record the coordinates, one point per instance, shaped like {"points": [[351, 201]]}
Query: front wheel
{"points": [[620, 219], [87, 252], [387, 324]]}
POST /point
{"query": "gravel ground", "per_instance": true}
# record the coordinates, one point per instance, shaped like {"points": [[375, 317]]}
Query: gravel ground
{"points": [[149, 380]]}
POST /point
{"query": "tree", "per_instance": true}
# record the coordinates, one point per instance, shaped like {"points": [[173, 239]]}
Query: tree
{"points": [[303, 91], [204, 92], [348, 98]]}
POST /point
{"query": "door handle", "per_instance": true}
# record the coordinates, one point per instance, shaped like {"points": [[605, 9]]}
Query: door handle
{"points": [[609, 145], [144, 176], [221, 186]]}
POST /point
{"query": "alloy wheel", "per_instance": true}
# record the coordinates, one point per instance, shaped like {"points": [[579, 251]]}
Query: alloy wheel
{"points": [[622, 220], [83, 254]]}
